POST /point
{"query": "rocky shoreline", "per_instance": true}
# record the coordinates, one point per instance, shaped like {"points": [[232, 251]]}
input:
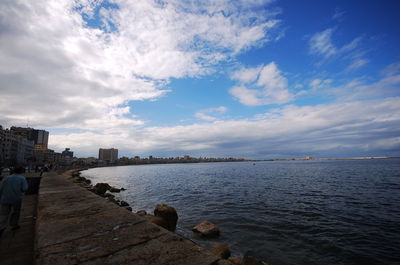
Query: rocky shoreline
{"points": [[166, 216]]}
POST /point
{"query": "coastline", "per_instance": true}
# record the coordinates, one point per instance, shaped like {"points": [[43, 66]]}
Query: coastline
{"points": [[75, 226]]}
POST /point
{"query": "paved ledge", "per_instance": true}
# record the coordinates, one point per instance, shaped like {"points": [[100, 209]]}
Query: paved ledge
{"points": [[16, 247], [75, 226]]}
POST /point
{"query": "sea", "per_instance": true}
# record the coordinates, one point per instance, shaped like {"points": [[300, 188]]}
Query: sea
{"points": [[286, 212]]}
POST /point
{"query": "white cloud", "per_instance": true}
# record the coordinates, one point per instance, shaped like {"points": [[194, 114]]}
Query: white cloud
{"points": [[56, 71], [338, 14], [267, 86], [357, 63], [320, 83], [361, 127], [361, 88], [215, 111], [246, 75], [321, 43]]}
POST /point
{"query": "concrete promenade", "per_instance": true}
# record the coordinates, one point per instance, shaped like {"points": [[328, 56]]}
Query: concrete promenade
{"points": [[16, 247], [75, 226]]}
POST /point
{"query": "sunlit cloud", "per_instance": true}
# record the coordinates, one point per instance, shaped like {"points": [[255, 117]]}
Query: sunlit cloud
{"points": [[357, 126], [261, 86], [206, 113], [84, 62]]}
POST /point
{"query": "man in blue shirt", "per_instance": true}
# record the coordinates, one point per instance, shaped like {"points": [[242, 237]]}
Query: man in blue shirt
{"points": [[12, 190]]}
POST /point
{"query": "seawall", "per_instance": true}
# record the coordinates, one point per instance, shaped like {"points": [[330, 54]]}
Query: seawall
{"points": [[75, 226]]}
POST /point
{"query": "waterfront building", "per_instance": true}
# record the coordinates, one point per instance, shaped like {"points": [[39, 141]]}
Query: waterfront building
{"points": [[1, 146], [109, 155], [39, 137], [68, 153], [15, 149]]}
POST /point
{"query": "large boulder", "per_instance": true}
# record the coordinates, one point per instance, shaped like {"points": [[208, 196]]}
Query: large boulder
{"points": [[167, 213], [236, 260], [250, 258], [221, 250], [123, 203], [101, 188], [113, 189], [206, 229], [141, 213], [128, 208], [157, 220]]}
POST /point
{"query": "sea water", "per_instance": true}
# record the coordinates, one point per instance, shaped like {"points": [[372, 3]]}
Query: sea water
{"points": [[287, 212]]}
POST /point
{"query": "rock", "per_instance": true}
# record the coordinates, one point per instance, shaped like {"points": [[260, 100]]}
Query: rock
{"points": [[113, 200], [108, 195], [123, 203], [235, 260], [157, 220], [168, 213], [206, 229], [249, 258], [101, 188], [221, 250], [86, 186], [112, 189], [141, 213], [128, 208], [223, 262], [122, 189], [80, 179], [88, 181]]}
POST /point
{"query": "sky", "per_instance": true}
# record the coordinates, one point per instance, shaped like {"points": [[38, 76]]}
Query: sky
{"points": [[256, 79]]}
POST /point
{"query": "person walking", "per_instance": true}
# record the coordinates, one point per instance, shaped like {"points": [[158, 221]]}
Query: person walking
{"points": [[12, 190]]}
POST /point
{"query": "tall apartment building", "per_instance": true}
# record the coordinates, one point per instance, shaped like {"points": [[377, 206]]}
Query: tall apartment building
{"points": [[109, 155], [15, 149], [39, 137]]}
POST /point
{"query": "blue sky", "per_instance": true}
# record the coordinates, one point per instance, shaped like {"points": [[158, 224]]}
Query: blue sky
{"points": [[255, 78]]}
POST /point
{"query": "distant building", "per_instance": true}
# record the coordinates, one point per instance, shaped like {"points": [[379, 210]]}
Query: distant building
{"points": [[108, 155], [39, 137], [67, 152], [15, 149]]}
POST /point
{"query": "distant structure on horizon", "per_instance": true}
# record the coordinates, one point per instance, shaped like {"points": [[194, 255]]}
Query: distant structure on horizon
{"points": [[109, 155], [67, 152]]}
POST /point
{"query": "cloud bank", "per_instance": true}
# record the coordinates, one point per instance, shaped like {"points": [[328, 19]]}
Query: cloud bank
{"points": [[356, 128], [77, 64], [75, 67]]}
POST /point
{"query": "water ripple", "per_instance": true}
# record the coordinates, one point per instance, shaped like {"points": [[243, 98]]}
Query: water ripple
{"points": [[299, 212]]}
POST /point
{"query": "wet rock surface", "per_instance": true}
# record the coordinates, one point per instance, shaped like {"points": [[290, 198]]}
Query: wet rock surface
{"points": [[206, 229], [221, 250], [141, 212], [123, 203], [101, 188], [112, 189], [250, 258], [169, 215], [236, 260]]}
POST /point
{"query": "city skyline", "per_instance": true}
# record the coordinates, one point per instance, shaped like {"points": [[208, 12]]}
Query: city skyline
{"points": [[255, 79]]}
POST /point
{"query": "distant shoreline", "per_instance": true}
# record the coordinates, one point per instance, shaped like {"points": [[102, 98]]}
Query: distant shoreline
{"points": [[245, 160], [316, 159]]}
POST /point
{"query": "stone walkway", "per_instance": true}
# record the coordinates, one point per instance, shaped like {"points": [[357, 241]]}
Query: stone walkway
{"points": [[75, 226], [16, 247]]}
